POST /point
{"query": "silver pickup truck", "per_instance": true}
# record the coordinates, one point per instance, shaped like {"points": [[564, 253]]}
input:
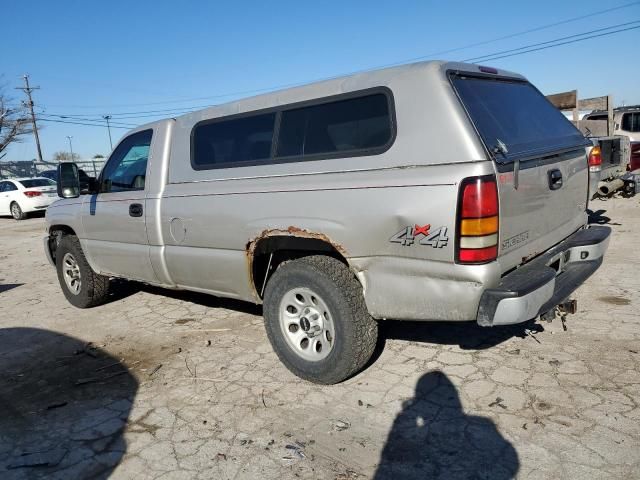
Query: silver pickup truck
{"points": [[431, 191]]}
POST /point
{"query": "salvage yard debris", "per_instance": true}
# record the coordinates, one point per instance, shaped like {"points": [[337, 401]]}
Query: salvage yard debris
{"points": [[341, 425], [498, 401], [296, 450]]}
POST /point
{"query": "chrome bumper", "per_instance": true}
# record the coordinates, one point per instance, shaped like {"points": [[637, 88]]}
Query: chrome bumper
{"points": [[546, 281]]}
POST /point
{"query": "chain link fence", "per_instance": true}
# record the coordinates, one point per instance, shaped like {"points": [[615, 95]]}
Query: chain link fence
{"points": [[33, 168]]}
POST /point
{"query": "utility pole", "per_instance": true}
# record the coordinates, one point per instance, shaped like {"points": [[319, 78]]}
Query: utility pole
{"points": [[69, 137], [107, 117], [27, 89]]}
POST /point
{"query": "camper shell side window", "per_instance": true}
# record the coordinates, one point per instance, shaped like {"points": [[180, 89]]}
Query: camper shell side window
{"points": [[348, 125]]}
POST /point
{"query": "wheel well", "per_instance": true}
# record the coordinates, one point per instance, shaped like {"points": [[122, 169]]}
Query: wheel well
{"points": [[55, 234], [267, 253]]}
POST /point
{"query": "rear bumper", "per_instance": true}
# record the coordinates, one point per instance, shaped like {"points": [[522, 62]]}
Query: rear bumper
{"points": [[546, 281]]}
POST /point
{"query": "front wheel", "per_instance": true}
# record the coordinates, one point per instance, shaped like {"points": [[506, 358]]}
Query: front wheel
{"points": [[16, 212], [317, 321], [83, 287]]}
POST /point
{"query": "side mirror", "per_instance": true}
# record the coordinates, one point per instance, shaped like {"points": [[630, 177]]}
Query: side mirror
{"points": [[68, 180]]}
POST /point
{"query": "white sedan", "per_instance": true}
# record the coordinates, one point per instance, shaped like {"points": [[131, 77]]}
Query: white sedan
{"points": [[20, 196]]}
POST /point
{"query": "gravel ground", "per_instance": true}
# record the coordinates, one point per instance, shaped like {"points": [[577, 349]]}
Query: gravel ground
{"points": [[166, 385]]}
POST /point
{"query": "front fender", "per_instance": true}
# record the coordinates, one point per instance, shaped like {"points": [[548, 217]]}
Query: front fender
{"points": [[67, 213]]}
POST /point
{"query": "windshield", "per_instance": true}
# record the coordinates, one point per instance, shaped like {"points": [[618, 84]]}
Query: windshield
{"points": [[37, 182], [513, 117]]}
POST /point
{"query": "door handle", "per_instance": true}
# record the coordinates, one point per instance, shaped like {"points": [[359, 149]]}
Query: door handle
{"points": [[555, 179], [135, 210]]}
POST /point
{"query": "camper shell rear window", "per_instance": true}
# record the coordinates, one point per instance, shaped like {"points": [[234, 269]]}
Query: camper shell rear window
{"points": [[514, 120]]}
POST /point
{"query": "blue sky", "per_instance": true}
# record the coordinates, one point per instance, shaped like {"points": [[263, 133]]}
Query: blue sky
{"points": [[122, 57]]}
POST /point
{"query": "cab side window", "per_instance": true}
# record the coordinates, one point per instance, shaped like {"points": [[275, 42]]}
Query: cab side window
{"points": [[127, 167]]}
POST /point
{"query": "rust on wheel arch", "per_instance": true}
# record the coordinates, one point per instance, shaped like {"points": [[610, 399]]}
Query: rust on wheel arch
{"points": [[290, 231]]}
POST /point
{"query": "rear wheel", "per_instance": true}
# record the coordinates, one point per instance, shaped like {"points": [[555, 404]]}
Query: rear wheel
{"points": [[317, 321], [16, 211], [82, 286]]}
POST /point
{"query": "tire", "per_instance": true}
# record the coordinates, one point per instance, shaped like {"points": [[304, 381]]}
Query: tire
{"points": [[90, 289], [16, 211], [348, 334]]}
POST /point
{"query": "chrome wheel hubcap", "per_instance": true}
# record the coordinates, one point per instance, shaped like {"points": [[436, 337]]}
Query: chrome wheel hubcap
{"points": [[71, 273], [15, 210], [307, 324]]}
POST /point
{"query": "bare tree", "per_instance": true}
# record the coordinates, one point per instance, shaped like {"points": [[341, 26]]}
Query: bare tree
{"points": [[65, 157], [14, 124]]}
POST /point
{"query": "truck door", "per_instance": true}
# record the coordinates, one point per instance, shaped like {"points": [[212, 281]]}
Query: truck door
{"points": [[114, 218]]}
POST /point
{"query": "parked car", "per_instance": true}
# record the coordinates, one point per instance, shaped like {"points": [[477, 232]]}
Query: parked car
{"points": [[432, 191], [84, 178], [20, 196]]}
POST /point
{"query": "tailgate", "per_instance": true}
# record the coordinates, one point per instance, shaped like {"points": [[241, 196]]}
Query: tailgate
{"points": [[533, 216], [541, 163]]}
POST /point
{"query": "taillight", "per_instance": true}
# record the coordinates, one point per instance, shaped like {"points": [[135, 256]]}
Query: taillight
{"points": [[32, 193], [595, 159], [478, 220]]}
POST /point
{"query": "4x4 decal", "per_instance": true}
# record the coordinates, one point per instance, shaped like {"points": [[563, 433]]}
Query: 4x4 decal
{"points": [[423, 235]]}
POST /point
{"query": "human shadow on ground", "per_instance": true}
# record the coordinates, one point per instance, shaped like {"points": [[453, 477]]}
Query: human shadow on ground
{"points": [[432, 438], [64, 405], [5, 287]]}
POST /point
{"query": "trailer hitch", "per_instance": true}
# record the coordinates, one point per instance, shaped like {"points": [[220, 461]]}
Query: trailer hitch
{"points": [[563, 309]]}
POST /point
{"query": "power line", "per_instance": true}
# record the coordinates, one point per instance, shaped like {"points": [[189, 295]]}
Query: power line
{"points": [[80, 123], [44, 116], [408, 60], [561, 43], [537, 29], [474, 59], [489, 57], [125, 115]]}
